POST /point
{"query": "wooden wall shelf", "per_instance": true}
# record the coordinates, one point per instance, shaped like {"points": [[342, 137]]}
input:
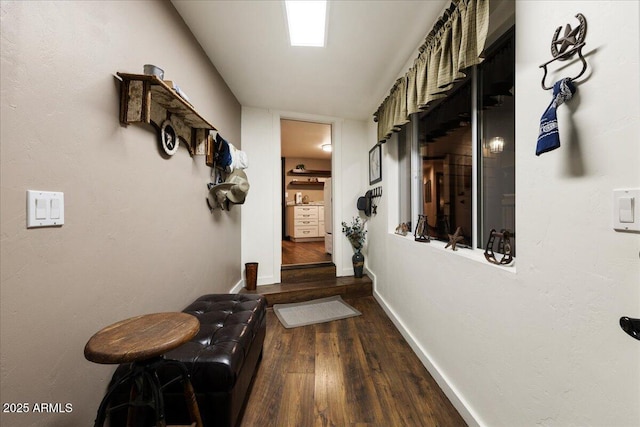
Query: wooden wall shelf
{"points": [[318, 183], [309, 172], [147, 99]]}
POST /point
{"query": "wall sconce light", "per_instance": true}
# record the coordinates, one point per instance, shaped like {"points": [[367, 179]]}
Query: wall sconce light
{"points": [[496, 144], [326, 147]]}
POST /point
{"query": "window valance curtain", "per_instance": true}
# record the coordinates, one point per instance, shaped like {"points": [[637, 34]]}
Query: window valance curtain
{"points": [[454, 44]]}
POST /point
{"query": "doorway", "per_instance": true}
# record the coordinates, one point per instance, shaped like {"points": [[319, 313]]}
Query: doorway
{"points": [[307, 226]]}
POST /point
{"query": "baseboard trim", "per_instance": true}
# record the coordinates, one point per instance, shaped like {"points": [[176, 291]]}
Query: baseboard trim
{"points": [[345, 272], [471, 418], [237, 287]]}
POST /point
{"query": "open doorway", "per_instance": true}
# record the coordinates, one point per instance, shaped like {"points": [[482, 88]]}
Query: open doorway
{"points": [[307, 226]]}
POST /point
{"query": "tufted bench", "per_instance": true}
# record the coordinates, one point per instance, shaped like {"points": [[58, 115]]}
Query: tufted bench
{"points": [[221, 358]]}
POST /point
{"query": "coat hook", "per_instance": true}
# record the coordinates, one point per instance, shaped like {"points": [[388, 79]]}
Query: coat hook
{"points": [[565, 47]]}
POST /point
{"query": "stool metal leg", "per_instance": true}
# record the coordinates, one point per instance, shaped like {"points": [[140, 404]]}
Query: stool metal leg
{"points": [[189, 393], [144, 379], [156, 390], [102, 409]]}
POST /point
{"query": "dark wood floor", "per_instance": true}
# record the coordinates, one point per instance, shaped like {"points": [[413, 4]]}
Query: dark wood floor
{"points": [[351, 372], [303, 252]]}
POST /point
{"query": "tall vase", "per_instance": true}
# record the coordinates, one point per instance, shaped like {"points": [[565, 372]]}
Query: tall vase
{"points": [[358, 263]]}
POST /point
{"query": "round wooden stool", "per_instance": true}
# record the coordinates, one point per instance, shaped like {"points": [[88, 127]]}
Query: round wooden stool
{"points": [[142, 341]]}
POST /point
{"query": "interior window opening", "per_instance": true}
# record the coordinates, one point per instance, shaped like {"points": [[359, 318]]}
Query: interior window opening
{"points": [[496, 118], [447, 135], [446, 150]]}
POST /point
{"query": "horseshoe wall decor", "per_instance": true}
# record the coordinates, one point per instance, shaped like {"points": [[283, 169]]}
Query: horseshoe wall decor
{"points": [[566, 46]]}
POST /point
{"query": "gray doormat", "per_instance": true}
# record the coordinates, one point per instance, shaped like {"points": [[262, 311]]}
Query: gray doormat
{"points": [[314, 311]]}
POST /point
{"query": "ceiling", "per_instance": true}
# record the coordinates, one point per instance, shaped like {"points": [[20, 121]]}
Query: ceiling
{"points": [[304, 139], [368, 45]]}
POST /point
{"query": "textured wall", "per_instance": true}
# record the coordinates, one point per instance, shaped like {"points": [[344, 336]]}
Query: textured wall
{"points": [[138, 236], [539, 344]]}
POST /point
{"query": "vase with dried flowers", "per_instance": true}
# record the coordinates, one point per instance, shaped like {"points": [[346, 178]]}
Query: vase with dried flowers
{"points": [[357, 236]]}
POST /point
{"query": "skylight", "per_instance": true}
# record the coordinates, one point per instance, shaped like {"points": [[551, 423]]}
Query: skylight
{"points": [[307, 21]]}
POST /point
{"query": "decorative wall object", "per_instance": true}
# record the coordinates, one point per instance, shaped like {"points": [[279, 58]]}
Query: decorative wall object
{"points": [[169, 138], [504, 247], [570, 43], [402, 229], [375, 164], [631, 326], [563, 90], [455, 238], [233, 191], [366, 203], [421, 233], [148, 99]]}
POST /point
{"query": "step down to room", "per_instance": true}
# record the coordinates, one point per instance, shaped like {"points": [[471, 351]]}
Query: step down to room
{"points": [[284, 293], [297, 273]]}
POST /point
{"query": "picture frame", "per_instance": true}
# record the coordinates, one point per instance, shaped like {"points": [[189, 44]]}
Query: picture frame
{"points": [[375, 164]]}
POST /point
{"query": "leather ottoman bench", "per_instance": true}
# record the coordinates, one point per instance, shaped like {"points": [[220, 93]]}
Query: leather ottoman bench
{"points": [[221, 359]]}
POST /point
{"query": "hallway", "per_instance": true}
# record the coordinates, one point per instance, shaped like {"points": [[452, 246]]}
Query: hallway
{"points": [[357, 371]]}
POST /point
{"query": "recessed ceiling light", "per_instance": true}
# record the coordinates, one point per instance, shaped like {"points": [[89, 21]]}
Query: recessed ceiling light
{"points": [[307, 21], [326, 147]]}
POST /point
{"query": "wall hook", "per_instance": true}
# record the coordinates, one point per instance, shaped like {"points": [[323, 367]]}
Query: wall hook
{"points": [[631, 326], [565, 47]]}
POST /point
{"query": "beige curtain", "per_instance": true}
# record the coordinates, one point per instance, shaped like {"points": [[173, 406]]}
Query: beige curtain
{"points": [[454, 44], [392, 114]]}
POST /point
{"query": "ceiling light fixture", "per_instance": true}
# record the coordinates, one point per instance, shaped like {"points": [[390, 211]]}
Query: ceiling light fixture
{"points": [[326, 147], [307, 22]]}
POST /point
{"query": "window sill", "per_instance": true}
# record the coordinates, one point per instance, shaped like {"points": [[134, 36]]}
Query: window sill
{"points": [[476, 255]]}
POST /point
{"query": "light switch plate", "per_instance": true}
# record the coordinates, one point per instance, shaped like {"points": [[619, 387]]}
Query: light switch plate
{"points": [[626, 209], [45, 208]]}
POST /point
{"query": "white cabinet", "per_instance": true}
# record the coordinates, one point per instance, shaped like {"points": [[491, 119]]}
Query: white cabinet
{"points": [[303, 223]]}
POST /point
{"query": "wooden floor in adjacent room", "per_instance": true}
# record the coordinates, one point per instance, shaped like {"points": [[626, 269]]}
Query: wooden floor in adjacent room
{"points": [[303, 252], [351, 372]]}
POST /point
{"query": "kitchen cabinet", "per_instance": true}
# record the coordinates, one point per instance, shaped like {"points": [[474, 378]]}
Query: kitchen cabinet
{"points": [[304, 223]]}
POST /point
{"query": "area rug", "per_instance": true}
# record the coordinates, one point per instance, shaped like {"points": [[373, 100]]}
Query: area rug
{"points": [[314, 311]]}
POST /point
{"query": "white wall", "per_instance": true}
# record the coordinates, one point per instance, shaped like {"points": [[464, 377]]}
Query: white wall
{"points": [[539, 343], [261, 214], [261, 226], [138, 236], [351, 181]]}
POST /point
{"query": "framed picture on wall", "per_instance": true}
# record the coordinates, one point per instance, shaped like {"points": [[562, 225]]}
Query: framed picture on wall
{"points": [[375, 164]]}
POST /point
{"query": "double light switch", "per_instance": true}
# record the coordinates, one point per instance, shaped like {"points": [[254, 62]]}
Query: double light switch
{"points": [[45, 208]]}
